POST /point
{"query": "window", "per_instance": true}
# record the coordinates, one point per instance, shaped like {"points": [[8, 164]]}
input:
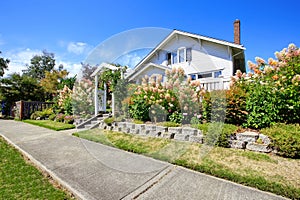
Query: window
{"points": [[174, 57], [193, 76], [206, 75], [217, 74], [169, 58], [189, 54], [181, 55]]}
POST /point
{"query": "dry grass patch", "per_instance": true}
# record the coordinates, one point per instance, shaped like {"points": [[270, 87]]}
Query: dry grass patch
{"points": [[263, 171]]}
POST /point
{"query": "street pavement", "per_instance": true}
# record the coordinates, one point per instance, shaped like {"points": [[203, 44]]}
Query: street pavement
{"points": [[91, 170]]}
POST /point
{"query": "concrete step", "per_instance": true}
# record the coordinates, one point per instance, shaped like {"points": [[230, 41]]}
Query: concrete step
{"points": [[88, 126]]}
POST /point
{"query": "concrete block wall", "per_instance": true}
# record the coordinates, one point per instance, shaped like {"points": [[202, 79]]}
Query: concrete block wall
{"points": [[247, 140]]}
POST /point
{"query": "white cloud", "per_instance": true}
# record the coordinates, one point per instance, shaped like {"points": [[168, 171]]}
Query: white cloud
{"points": [[72, 68], [19, 58], [132, 59], [78, 47]]}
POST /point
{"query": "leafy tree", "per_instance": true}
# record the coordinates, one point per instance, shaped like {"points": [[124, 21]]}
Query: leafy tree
{"points": [[52, 81], [16, 87], [67, 81], [39, 64], [87, 70], [3, 65]]}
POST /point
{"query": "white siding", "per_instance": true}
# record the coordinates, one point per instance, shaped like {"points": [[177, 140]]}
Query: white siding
{"points": [[206, 56]]}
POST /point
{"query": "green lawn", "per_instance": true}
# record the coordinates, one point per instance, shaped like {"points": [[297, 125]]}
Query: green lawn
{"points": [[20, 180], [263, 171], [57, 126]]}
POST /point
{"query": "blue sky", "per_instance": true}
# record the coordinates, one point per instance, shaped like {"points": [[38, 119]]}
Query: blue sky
{"points": [[71, 29]]}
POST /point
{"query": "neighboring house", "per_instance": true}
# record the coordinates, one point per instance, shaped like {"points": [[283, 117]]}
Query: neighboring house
{"points": [[209, 59]]}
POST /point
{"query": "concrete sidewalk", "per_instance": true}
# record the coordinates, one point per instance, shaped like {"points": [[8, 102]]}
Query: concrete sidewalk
{"points": [[95, 171]]}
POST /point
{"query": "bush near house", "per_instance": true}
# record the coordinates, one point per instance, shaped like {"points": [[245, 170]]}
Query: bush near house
{"points": [[156, 99], [285, 139], [217, 133], [273, 89], [228, 106]]}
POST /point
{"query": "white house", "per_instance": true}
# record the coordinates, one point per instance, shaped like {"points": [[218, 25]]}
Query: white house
{"points": [[209, 59]]}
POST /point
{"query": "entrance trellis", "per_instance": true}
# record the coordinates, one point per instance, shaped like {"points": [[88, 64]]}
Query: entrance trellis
{"points": [[100, 95]]}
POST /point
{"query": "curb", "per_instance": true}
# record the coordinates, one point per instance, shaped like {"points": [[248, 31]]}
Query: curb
{"points": [[44, 169]]}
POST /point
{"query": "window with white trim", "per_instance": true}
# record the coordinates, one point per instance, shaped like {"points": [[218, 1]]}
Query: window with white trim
{"points": [[206, 75], [174, 55], [181, 53], [189, 54], [179, 56], [217, 74]]}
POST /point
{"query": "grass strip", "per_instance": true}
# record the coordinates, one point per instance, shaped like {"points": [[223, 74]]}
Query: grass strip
{"points": [[21, 180], [245, 167], [57, 126]]}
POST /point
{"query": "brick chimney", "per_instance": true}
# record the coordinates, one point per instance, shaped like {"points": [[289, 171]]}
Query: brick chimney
{"points": [[237, 31]]}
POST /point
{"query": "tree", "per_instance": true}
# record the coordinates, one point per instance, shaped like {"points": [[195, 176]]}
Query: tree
{"points": [[3, 65], [16, 87], [87, 70], [39, 64], [52, 81]]}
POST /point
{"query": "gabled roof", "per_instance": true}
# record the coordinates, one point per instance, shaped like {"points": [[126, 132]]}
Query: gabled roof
{"points": [[184, 33], [136, 73]]}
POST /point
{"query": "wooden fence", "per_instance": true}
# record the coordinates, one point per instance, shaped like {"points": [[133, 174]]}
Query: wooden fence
{"points": [[25, 108]]}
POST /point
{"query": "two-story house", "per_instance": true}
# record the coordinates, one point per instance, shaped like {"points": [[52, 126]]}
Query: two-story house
{"points": [[201, 57]]}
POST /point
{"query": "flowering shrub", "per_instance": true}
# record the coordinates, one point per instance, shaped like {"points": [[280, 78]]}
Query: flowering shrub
{"points": [[174, 95], [68, 119], [273, 89], [65, 100], [60, 117], [228, 106], [82, 98]]}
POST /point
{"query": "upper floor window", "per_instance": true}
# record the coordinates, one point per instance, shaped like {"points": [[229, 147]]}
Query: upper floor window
{"points": [[179, 56], [181, 53], [189, 54]]}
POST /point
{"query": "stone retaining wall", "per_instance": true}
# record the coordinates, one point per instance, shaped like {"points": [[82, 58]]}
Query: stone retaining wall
{"points": [[248, 140]]}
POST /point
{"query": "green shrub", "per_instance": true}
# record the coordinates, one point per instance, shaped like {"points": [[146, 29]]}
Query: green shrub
{"points": [[194, 120], [285, 139], [273, 90], [214, 106], [60, 117], [176, 117], [109, 121], [52, 117], [217, 133], [42, 114], [136, 121], [35, 115], [169, 124]]}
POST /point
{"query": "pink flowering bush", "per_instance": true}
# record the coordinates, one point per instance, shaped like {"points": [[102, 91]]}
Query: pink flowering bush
{"points": [[64, 102], [82, 98], [155, 97], [273, 89]]}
